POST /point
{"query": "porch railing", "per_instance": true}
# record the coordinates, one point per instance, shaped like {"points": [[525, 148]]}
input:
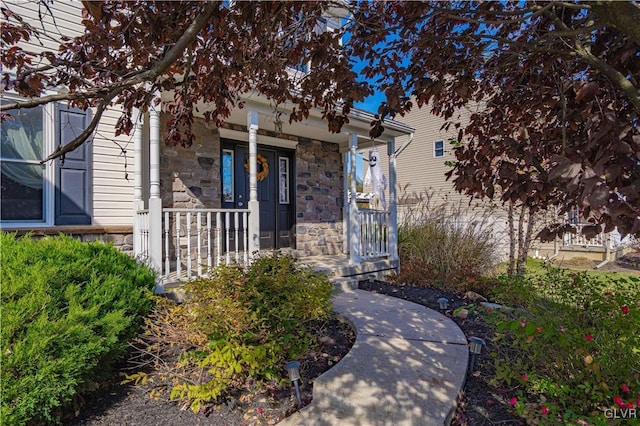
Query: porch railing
{"points": [[577, 239], [194, 240], [142, 236], [374, 233]]}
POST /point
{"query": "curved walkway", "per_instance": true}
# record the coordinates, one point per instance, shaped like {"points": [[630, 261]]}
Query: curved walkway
{"points": [[407, 366]]}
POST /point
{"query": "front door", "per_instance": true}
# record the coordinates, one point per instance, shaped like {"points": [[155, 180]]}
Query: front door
{"points": [[274, 189]]}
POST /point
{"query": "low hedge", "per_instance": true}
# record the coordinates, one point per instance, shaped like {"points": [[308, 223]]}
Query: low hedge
{"points": [[68, 311]]}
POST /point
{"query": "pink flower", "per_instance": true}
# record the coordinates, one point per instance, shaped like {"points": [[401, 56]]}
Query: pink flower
{"points": [[619, 401], [513, 401], [588, 337], [629, 404], [624, 388], [562, 329], [523, 323], [625, 309], [524, 377], [544, 410]]}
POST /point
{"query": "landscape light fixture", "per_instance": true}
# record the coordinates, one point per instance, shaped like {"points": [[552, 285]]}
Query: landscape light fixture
{"points": [[475, 348], [293, 368], [443, 302]]}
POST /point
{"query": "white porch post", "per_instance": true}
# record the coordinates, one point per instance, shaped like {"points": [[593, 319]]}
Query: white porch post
{"points": [[346, 218], [138, 203], [393, 201], [155, 202], [253, 205], [354, 228]]}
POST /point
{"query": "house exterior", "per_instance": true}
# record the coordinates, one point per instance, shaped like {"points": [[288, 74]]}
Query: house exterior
{"points": [[254, 184]]}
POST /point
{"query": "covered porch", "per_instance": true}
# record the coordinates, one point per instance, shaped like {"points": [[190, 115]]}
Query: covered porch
{"points": [[190, 211]]}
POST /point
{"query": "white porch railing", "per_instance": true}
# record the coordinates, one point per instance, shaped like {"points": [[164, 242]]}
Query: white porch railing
{"points": [[142, 236], [577, 239], [194, 240], [374, 233]]}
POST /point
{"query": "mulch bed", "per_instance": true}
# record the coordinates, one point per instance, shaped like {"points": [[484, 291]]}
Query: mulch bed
{"points": [[266, 404], [252, 404]]}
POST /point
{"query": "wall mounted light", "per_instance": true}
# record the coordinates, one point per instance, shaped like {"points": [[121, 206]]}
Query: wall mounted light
{"points": [[293, 368]]}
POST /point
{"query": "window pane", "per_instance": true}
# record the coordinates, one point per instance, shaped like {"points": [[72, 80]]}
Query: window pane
{"points": [[439, 148], [22, 135], [227, 176], [21, 191], [283, 177]]}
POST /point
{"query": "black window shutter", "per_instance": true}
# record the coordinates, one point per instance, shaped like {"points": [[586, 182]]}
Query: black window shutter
{"points": [[73, 194]]}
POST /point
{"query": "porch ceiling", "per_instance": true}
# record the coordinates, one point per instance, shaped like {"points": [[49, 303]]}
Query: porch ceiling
{"points": [[313, 127]]}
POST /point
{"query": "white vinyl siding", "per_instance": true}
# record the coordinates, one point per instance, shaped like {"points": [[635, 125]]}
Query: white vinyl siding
{"points": [[112, 192]]}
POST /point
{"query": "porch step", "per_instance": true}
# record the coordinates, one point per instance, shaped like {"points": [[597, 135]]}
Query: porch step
{"points": [[344, 284], [373, 269]]}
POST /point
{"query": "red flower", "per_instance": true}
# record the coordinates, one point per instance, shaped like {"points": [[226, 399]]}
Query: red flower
{"points": [[624, 388], [625, 309], [513, 401], [489, 310], [629, 404], [524, 377], [538, 329], [619, 401], [523, 323], [260, 410], [544, 410], [588, 337]]}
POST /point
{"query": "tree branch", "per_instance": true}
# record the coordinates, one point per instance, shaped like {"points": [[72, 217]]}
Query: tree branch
{"points": [[82, 137]]}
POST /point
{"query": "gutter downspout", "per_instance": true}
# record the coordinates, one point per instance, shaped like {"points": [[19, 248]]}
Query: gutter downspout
{"points": [[403, 147]]}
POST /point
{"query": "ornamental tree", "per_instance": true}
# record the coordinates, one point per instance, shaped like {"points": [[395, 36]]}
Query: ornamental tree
{"points": [[557, 82], [556, 85]]}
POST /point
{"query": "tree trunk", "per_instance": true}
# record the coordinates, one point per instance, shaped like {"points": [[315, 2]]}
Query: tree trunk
{"points": [[526, 244], [512, 240]]}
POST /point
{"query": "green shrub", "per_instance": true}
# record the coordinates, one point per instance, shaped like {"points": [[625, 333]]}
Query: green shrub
{"points": [[241, 324], [68, 311], [444, 244], [573, 350]]}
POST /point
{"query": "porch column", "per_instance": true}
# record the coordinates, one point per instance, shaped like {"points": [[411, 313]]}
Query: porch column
{"points": [[393, 201], [138, 203], [345, 203], [155, 202], [354, 228], [253, 205]]}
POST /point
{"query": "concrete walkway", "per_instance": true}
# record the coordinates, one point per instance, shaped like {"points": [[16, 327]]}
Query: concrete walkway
{"points": [[406, 367]]}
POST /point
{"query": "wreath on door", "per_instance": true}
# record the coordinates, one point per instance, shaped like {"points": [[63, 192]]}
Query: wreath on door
{"points": [[262, 162]]}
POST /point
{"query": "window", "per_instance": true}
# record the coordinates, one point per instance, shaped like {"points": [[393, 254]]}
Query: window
{"points": [[56, 192], [22, 181], [227, 176], [283, 178], [438, 149]]}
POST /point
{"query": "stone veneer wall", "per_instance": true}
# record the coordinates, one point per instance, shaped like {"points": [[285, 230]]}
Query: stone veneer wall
{"points": [[319, 198], [190, 177]]}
